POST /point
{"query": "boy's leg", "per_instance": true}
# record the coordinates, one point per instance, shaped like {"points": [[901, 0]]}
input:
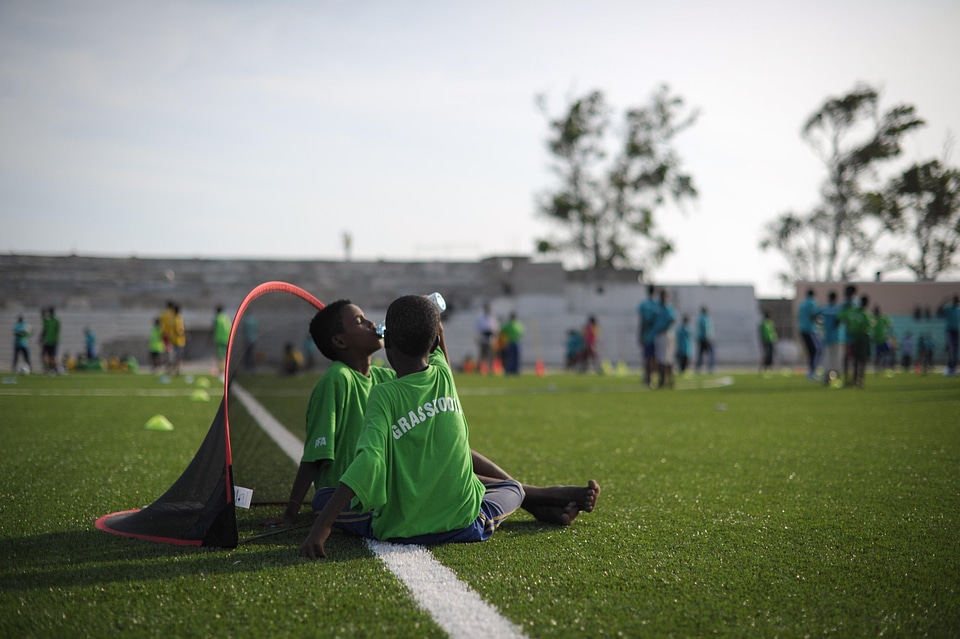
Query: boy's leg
{"points": [[360, 524], [550, 504]]}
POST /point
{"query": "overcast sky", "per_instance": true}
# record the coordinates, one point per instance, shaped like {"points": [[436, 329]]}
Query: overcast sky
{"points": [[269, 129]]}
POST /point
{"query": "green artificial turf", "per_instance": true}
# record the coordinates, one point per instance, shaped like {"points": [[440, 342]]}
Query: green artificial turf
{"points": [[769, 507]]}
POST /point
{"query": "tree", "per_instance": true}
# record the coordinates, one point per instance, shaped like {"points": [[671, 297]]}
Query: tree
{"points": [[603, 208], [922, 204], [850, 136]]}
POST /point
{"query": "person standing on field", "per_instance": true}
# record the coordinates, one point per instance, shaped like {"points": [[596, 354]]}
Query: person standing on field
{"points": [[859, 323], [511, 333], [832, 346], [951, 316], [591, 336], [157, 346], [21, 345], [705, 340], [168, 326], [51, 340], [768, 342], [221, 337], [179, 341], [647, 310], [684, 344], [807, 325], [487, 328]]}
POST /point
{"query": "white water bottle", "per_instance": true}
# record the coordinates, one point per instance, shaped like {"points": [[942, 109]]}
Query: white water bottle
{"points": [[438, 301], [434, 297]]}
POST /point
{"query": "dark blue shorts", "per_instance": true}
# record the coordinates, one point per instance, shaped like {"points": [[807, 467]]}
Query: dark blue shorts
{"points": [[499, 501], [649, 351]]}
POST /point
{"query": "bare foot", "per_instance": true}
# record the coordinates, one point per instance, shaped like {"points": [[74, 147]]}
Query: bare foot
{"points": [[585, 497], [559, 515], [593, 496]]}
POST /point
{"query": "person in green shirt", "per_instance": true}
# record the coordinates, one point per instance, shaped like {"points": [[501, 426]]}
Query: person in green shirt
{"points": [[768, 340], [859, 325], [50, 340], [221, 337], [157, 345], [510, 336], [344, 335], [414, 478]]}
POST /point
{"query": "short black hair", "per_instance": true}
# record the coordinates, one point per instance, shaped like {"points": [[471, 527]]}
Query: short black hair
{"points": [[413, 323], [327, 323]]}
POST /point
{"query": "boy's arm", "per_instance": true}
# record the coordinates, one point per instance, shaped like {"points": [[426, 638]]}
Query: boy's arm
{"points": [[312, 546], [306, 473], [443, 345]]}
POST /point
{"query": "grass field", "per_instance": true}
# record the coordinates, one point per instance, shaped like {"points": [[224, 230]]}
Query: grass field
{"points": [[769, 507]]}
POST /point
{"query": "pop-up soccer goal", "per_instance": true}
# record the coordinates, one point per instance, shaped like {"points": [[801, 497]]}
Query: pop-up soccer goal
{"points": [[200, 508]]}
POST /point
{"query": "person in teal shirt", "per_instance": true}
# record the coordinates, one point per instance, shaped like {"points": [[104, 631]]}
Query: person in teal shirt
{"points": [[647, 310], [663, 347], [807, 315], [21, 345], [684, 344], [882, 326], [832, 346], [951, 316], [705, 340]]}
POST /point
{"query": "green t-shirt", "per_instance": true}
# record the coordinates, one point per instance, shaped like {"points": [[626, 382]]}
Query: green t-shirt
{"points": [[335, 416], [51, 331], [413, 466], [221, 329], [768, 333], [513, 330], [881, 329], [156, 340], [857, 320]]}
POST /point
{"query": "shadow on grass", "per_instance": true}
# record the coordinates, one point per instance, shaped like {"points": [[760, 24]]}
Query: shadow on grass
{"points": [[89, 558]]}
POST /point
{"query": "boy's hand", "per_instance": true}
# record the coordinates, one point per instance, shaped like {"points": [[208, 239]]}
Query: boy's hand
{"points": [[312, 546]]}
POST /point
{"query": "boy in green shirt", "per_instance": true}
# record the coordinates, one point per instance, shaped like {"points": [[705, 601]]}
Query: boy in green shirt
{"points": [[768, 340], [859, 323], [348, 339], [414, 478]]}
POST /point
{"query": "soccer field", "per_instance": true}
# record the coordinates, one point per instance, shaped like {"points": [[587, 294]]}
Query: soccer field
{"points": [[736, 507]]}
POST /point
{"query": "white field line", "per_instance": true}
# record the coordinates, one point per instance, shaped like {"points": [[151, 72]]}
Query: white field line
{"points": [[94, 392], [289, 444], [453, 605]]}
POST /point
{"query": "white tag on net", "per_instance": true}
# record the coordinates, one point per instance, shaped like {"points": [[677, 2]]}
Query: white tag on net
{"points": [[243, 496]]}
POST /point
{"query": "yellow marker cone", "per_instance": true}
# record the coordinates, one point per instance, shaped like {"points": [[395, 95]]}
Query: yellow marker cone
{"points": [[203, 382], [158, 422], [200, 395]]}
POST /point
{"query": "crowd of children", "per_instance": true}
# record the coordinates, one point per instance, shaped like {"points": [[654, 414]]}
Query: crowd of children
{"points": [[843, 338]]}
